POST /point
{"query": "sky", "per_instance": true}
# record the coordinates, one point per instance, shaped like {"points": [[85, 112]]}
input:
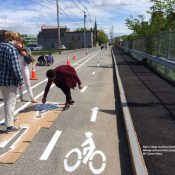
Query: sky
{"points": [[27, 16]]}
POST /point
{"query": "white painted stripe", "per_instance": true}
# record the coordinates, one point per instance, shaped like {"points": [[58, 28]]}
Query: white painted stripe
{"points": [[84, 88], [94, 114], [50, 146], [39, 95], [93, 73], [2, 104], [86, 57], [28, 103], [3, 143], [87, 60], [15, 143]]}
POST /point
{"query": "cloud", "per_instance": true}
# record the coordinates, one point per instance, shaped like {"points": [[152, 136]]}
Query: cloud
{"points": [[115, 3], [28, 17]]}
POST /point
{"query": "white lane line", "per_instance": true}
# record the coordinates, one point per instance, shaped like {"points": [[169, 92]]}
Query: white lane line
{"points": [[94, 114], [39, 95], [27, 104], [3, 143], [87, 60], [84, 88], [86, 57], [93, 73], [51, 145], [16, 142], [2, 104], [41, 82]]}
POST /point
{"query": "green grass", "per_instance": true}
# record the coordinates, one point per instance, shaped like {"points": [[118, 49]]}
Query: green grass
{"points": [[44, 52]]}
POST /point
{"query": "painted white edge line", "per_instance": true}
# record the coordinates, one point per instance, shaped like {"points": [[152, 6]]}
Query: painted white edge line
{"points": [[15, 143], [3, 143], [137, 159], [83, 90], [93, 73], [51, 145], [2, 104], [39, 95]]}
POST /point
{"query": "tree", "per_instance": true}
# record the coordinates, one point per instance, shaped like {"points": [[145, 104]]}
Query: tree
{"points": [[102, 37], [162, 15], [138, 25]]}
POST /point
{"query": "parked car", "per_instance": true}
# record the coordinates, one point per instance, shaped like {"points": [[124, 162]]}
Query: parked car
{"points": [[63, 47], [35, 47]]}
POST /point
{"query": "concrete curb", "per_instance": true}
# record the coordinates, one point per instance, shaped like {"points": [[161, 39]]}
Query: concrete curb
{"points": [[138, 163]]}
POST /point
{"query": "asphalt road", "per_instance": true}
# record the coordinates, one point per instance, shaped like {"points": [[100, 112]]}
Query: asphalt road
{"points": [[151, 101], [94, 112]]}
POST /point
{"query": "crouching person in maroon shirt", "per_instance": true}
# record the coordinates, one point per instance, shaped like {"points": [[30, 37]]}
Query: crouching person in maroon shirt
{"points": [[65, 78]]}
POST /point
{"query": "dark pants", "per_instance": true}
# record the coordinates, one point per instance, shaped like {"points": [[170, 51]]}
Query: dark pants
{"points": [[66, 91]]}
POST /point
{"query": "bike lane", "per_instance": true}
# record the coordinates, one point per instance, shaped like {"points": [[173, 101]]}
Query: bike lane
{"points": [[98, 116], [93, 111]]}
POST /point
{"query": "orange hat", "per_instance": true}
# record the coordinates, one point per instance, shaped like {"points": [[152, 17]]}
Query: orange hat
{"points": [[12, 36]]}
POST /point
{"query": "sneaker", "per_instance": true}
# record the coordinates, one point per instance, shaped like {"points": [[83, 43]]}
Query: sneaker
{"points": [[71, 102], [2, 132], [34, 101], [19, 99], [2, 129], [12, 129]]}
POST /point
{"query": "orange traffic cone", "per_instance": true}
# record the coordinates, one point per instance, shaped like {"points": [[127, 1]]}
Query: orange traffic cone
{"points": [[86, 52], [68, 60], [33, 74], [74, 56]]}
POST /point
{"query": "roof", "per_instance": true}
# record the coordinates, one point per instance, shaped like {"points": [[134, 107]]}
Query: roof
{"points": [[52, 27]]}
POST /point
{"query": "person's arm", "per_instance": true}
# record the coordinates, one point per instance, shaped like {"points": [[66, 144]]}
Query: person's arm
{"points": [[14, 63], [46, 90]]}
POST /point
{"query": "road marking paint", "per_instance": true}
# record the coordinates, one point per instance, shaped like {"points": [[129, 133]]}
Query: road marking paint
{"points": [[2, 104], [93, 73], [3, 143], [94, 114], [15, 143], [51, 145], [39, 95], [84, 88], [87, 60]]}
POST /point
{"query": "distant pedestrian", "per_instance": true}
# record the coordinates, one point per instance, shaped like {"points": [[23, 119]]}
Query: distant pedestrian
{"points": [[42, 60], [65, 78], [25, 52], [102, 46], [50, 59], [11, 77]]}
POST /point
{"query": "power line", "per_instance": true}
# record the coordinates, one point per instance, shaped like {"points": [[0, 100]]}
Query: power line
{"points": [[70, 11], [40, 4]]}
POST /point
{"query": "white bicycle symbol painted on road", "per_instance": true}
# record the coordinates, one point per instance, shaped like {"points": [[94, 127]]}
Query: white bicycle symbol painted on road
{"points": [[89, 153]]}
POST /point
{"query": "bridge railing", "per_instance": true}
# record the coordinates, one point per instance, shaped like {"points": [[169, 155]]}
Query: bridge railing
{"points": [[157, 51]]}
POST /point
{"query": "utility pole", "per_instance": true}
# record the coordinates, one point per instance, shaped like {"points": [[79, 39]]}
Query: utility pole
{"points": [[58, 25], [84, 29]]}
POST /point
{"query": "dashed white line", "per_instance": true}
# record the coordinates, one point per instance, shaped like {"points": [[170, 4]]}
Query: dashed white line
{"points": [[93, 73], [94, 114], [51, 145]]}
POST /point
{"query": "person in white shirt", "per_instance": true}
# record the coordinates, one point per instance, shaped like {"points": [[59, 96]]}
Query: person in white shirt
{"points": [[23, 51]]}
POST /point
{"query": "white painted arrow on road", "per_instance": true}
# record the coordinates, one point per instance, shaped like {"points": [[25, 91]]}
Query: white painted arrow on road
{"points": [[94, 114]]}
